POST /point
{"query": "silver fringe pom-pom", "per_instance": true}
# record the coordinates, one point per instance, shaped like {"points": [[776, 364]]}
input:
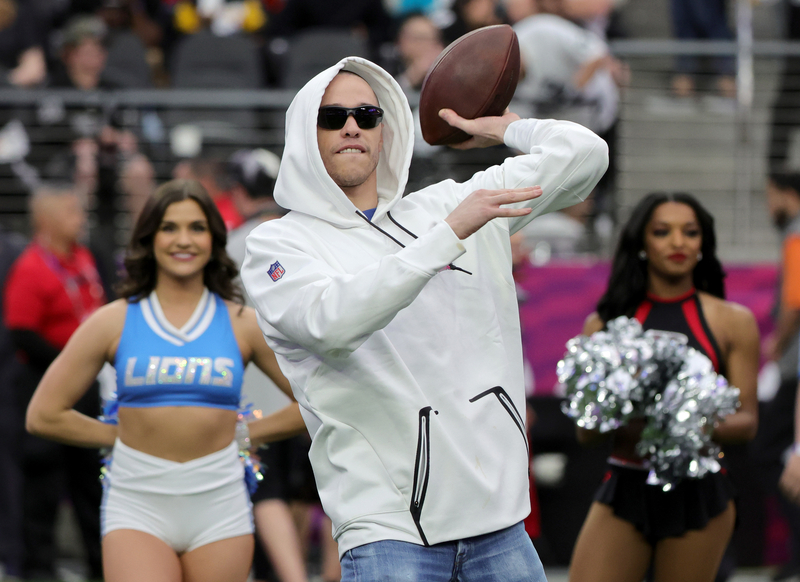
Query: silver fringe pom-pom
{"points": [[623, 373]]}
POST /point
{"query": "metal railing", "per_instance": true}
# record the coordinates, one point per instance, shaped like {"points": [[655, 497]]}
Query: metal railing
{"points": [[715, 147]]}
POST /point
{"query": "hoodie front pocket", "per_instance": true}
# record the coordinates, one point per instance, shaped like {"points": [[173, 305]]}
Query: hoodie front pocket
{"points": [[422, 467], [505, 400]]}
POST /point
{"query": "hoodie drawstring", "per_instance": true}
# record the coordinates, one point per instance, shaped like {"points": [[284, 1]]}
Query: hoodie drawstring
{"points": [[404, 229], [400, 226]]}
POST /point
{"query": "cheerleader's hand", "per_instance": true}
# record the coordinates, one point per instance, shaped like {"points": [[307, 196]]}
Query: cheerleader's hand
{"points": [[790, 479]]}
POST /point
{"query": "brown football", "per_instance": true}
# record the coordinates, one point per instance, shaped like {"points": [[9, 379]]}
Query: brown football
{"points": [[475, 76]]}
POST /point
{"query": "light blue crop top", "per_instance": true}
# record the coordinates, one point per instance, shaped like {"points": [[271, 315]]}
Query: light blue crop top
{"points": [[160, 365]]}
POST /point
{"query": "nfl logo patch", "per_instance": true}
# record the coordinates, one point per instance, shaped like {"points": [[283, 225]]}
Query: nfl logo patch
{"points": [[276, 271]]}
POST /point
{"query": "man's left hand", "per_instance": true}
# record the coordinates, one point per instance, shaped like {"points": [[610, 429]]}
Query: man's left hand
{"points": [[485, 131]]}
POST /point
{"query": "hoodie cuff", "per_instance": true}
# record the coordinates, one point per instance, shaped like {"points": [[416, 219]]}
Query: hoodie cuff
{"points": [[435, 250], [519, 134]]}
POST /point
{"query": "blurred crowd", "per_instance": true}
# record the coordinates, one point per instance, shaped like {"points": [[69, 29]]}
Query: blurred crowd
{"points": [[91, 44], [117, 152]]}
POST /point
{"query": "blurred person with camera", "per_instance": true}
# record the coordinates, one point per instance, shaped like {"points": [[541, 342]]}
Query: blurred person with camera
{"points": [[99, 139], [82, 60]]}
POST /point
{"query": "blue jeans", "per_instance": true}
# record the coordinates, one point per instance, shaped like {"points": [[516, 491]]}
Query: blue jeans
{"points": [[503, 556]]}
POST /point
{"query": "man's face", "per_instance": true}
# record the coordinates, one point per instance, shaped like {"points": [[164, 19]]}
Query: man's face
{"points": [[87, 60], [417, 38], [65, 217], [350, 154], [777, 204]]}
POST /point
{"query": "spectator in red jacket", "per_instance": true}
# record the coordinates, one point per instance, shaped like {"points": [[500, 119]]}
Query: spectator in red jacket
{"points": [[51, 288]]}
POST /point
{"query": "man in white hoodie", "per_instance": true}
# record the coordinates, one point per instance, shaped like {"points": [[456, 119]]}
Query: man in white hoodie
{"points": [[395, 320]]}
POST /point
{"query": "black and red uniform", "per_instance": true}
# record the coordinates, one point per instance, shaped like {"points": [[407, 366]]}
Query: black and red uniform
{"points": [[693, 502], [682, 314]]}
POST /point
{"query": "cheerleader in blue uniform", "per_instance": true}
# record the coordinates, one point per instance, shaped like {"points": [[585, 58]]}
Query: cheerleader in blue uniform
{"points": [[176, 507], [665, 273]]}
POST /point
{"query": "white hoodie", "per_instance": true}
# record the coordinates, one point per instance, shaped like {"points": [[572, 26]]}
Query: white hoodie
{"points": [[409, 375]]}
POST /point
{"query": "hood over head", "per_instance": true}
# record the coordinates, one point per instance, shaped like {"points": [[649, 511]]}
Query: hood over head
{"points": [[303, 183]]}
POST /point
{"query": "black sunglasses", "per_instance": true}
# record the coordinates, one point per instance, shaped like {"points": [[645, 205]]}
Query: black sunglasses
{"points": [[366, 116]]}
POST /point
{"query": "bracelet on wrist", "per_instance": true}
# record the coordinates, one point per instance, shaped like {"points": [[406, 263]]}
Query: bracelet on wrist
{"points": [[795, 449]]}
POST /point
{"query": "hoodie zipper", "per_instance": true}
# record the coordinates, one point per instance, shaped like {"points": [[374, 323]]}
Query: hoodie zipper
{"points": [[422, 466], [404, 229], [507, 403]]}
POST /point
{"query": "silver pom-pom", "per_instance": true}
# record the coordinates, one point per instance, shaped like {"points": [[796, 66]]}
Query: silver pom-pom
{"points": [[623, 372], [677, 439], [607, 375]]}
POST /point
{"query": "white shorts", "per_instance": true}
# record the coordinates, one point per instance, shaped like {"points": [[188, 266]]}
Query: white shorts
{"points": [[186, 505]]}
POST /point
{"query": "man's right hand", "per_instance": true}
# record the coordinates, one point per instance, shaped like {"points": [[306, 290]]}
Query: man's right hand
{"points": [[483, 205], [485, 131]]}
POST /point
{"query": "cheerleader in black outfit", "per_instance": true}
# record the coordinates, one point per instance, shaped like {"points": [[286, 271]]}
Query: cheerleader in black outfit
{"points": [[665, 273]]}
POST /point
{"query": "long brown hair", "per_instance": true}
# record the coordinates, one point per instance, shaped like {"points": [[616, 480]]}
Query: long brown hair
{"points": [[139, 279]]}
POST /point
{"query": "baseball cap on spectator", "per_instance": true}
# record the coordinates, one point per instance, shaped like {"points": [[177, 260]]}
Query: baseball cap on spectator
{"points": [[256, 171], [81, 28]]}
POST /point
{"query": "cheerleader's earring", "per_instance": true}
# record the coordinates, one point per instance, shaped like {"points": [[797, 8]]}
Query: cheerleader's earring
{"points": [[699, 256], [642, 255]]}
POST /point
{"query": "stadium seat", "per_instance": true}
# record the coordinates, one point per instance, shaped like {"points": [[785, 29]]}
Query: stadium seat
{"points": [[206, 61], [313, 50], [126, 65]]}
